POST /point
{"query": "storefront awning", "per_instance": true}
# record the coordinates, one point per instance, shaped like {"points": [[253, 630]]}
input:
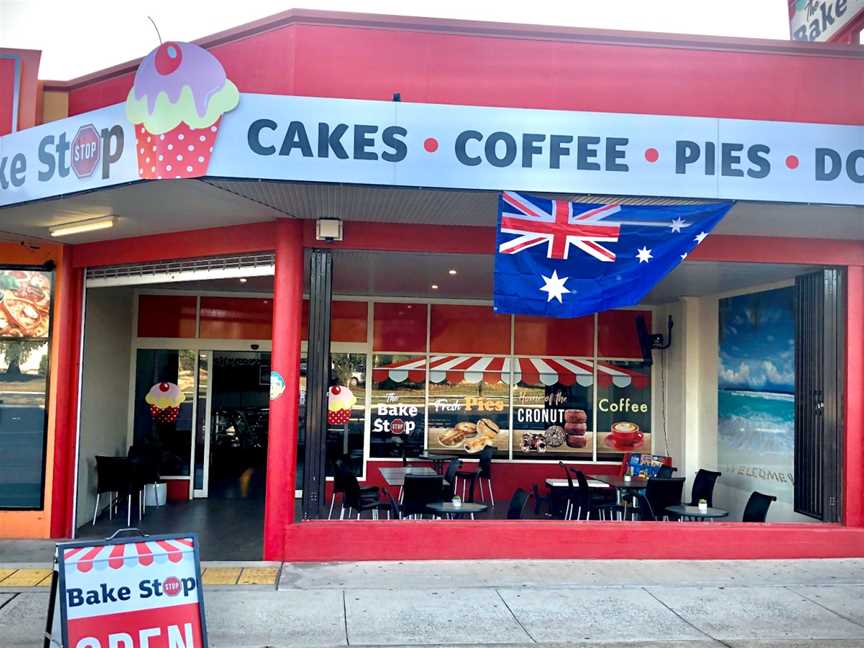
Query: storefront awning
{"points": [[492, 369], [115, 556]]}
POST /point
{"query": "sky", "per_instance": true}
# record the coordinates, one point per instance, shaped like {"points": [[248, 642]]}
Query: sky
{"points": [[78, 37]]}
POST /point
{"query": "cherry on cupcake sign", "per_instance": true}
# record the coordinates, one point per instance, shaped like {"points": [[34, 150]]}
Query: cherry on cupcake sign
{"points": [[176, 103]]}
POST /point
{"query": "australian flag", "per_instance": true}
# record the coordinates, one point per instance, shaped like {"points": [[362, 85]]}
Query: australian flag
{"points": [[562, 259]]}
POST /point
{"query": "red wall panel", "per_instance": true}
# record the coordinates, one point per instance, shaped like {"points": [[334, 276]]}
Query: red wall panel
{"points": [[348, 321], [236, 318], [616, 334], [550, 336], [7, 94], [171, 316], [400, 327], [468, 329]]}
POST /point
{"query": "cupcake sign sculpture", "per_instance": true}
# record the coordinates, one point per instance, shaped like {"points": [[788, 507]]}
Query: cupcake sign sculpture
{"points": [[177, 100], [340, 400], [164, 399]]}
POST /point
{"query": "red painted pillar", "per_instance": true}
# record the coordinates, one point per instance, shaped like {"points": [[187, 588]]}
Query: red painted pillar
{"points": [[70, 293], [853, 506], [285, 361]]}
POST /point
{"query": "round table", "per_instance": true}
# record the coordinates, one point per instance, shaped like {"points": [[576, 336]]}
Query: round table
{"points": [[687, 511], [447, 509]]}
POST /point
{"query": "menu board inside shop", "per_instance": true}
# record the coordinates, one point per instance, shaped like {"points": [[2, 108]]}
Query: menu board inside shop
{"points": [[552, 422]]}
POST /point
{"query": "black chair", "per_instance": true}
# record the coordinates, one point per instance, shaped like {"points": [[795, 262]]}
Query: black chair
{"points": [[540, 500], [643, 511], [394, 512], [703, 487], [757, 507], [572, 497], [419, 491], [342, 476], [661, 493], [113, 476], [484, 471], [665, 472], [517, 504], [144, 462], [450, 477], [354, 499]]}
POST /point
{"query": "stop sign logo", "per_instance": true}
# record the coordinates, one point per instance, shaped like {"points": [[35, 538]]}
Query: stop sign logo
{"points": [[397, 426], [85, 151]]}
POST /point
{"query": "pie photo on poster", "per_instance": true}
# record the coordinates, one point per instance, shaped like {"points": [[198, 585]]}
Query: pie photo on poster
{"points": [[25, 303]]}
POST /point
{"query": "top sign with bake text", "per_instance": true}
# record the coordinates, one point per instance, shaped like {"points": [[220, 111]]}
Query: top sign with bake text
{"points": [[459, 147], [821, 20]]}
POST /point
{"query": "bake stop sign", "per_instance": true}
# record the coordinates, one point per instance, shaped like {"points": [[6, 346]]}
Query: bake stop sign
{"points": [[142, 592], [86, 151]]}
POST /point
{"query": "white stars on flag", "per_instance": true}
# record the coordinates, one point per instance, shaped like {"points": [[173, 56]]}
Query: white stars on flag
{"points": [[644, 254], [700, 237], [554, 287], [678, 224]]}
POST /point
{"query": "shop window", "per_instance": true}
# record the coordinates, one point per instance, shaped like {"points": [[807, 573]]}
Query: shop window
{"points": [[164, 399], [168, 316], [25, 325], [468, 329], [400, 327], [469, 410], [348, 321], [623, 408], [398, 406], [552, 336], [346, 427], [236, 318], [552, 410], [616, 333]]}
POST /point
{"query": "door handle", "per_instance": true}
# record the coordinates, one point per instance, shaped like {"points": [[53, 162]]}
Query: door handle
{"points": [[819, 405]]}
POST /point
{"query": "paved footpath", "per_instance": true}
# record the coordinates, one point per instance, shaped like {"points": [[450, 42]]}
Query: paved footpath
{"points": [[650, 604]]}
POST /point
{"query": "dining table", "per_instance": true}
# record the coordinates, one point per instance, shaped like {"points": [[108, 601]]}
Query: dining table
{"points": [[396, 476], [437, 460], [452, 511], [685, 511]]}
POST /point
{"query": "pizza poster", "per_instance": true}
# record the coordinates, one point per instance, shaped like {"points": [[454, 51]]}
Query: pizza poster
{"points": [[131, 593], [25, 302]]}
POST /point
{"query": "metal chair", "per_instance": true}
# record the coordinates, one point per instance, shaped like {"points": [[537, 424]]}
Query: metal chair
{"points": [[703, 487], [662, 493], [113, 477], [517, 504], [418, 492], [757, 507]]}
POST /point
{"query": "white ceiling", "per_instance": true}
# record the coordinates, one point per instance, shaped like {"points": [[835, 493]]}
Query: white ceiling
{"points": [[412, 275], [167, 206]]}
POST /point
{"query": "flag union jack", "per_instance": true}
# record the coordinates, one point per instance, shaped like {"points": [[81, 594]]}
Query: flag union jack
{"points": [[563, 225]]}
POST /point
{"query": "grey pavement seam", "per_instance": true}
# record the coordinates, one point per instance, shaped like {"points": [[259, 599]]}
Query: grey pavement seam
{"points": [[683, 620], [7, 602], [515, 618], [792, 589], [345, 618]]}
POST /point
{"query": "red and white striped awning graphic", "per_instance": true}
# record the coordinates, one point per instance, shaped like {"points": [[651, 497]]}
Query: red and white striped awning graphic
{"points": [[491, 369], [117, 555]]}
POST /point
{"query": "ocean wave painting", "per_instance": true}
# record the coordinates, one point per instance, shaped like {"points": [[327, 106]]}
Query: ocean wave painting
{"points": [[756, 402]]}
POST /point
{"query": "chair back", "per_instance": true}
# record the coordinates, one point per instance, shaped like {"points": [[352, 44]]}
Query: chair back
{"points": [[665, 472], [452, 469], [486, 462], [145, 463], [350, 487], [538, 498], [393, 506], [703, 487], [757, 507], [567, 475], [644, 510], [420, 490], [342, 476], [517, 504], [113, 475], [662, 493]]}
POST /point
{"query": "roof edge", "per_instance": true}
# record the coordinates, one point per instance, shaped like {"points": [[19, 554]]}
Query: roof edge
{"points": [[488, 29]]}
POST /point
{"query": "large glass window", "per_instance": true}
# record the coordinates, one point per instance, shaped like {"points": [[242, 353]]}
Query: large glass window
{"points": [[623, 408], [25, 324], [164, 398], [345, 428]]}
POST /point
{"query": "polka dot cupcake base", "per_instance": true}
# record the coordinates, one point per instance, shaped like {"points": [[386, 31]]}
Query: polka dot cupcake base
{"points": [[340, 417], [182, 152], [164, 414]]}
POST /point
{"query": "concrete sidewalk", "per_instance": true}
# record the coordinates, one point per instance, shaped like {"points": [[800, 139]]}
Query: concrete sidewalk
{"points": [[744, 604]]}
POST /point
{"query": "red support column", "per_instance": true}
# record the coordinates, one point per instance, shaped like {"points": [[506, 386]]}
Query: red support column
{"points": [[70, 292], [853, 509], [285, 361]]}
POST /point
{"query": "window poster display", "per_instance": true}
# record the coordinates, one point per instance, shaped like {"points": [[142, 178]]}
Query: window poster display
{"points": [[552, 421], [25, 330], [465, 416], [398, 408], [623, 409]]}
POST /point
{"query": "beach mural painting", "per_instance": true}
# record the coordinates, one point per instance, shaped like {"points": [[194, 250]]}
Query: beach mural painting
{"points": [[756, 402]]}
